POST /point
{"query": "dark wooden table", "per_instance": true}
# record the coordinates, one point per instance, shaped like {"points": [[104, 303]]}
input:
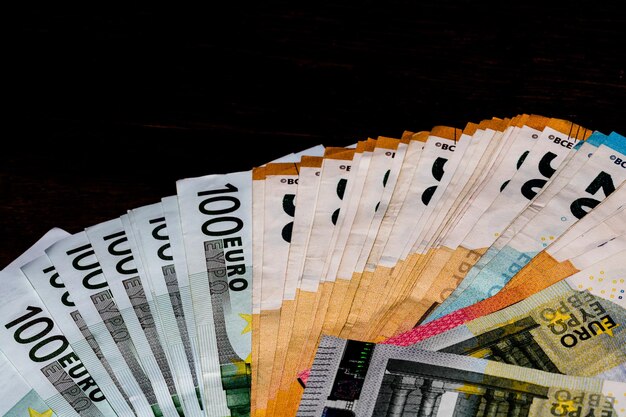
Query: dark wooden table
{"points": [[109, 109]]}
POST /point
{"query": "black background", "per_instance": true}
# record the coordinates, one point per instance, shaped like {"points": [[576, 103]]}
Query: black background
{"points": [[108, 108]]}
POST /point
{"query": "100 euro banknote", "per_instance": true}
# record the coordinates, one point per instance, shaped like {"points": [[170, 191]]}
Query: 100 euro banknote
{"points": [[216, 221]]}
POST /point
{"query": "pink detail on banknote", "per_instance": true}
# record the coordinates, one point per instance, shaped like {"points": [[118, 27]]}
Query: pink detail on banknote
{"points": [[303, 376], [417, 334], [442, 324]]}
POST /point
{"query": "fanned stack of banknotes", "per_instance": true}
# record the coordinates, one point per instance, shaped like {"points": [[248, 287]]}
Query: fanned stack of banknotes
{"points": [[452, 272]]}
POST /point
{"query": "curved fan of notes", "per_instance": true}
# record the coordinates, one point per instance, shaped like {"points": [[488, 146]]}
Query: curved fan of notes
{"points": [[452, 272]]}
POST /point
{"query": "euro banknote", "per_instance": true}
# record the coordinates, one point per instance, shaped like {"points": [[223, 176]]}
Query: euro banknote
{"points": [[351, 378], [501, 240]]}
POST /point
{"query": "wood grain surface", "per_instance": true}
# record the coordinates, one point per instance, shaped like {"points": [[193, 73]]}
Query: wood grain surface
{"points": [[108, 108]]}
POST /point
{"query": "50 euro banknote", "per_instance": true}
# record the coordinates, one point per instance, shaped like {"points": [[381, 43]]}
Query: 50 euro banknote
{"points": [[351, 378]]}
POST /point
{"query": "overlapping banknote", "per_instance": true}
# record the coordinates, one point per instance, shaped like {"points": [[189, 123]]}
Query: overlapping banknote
{"points": [[352, 378], [461, 271]]}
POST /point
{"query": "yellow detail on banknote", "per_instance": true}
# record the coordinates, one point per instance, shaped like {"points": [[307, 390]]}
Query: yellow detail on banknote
{"points": [[248, 319], [34, 413]]}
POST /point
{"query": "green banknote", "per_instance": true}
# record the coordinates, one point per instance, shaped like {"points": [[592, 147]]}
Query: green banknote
{"points": [[98, 316], [216, 218], [151, 241], [171, 214], [133, 298], [48, 283], [35, 345]]}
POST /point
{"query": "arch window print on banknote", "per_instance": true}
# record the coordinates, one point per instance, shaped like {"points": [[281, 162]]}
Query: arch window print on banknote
{"points": [[474, 270]]}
